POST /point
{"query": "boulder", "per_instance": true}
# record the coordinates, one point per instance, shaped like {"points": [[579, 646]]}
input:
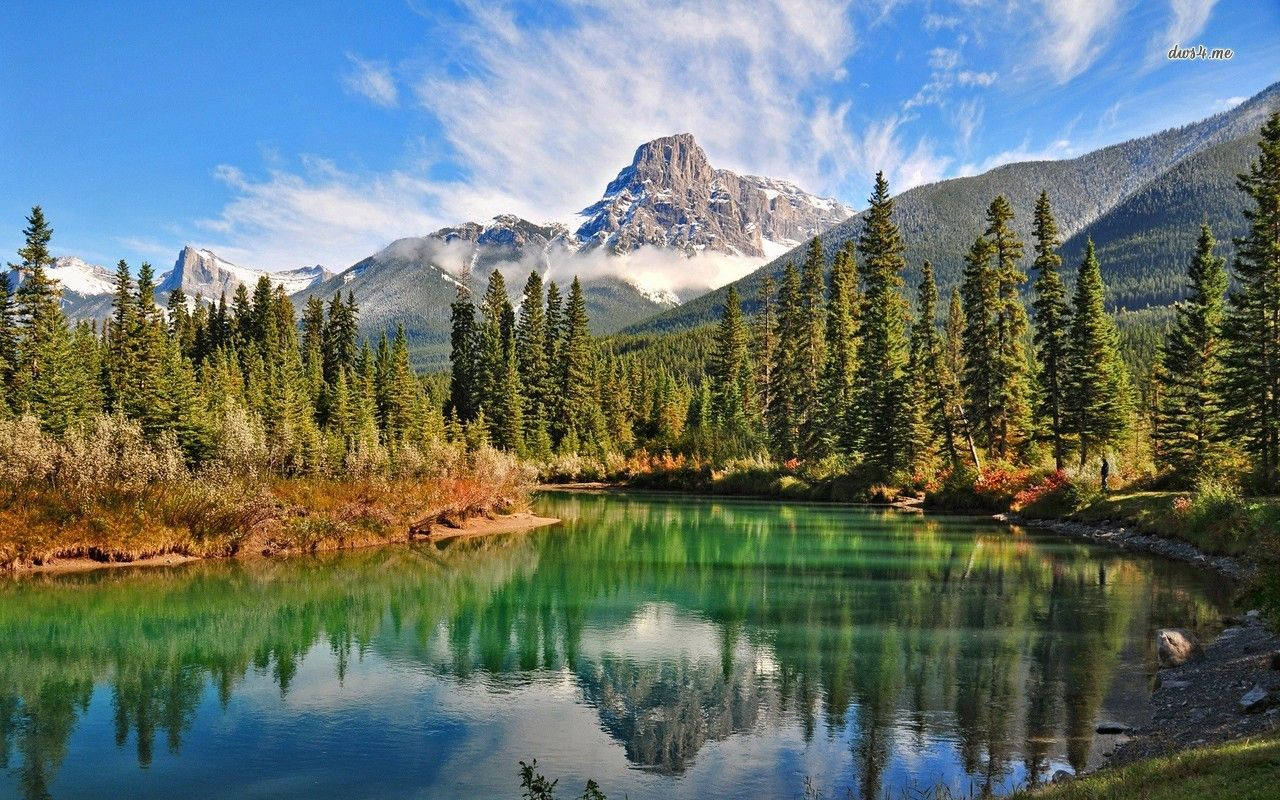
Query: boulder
{"points": [[1256, 699], [1060, 776], [1113, 728], [1176, 646]]}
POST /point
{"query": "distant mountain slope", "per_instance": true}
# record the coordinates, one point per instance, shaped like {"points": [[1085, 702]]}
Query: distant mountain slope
{"points": [[1135, 198], [1146, 241]]}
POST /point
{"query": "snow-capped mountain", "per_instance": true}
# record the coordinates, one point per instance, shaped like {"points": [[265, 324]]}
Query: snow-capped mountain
{"points": [[79, 277], [203, 273], [86, 288]]}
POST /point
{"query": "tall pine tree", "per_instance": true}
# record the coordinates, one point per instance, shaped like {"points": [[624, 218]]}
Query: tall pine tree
{"points": [[1252, 328], [1190, 419], [844, 309], [882, 375], [1052, 329], [1098, 404]]}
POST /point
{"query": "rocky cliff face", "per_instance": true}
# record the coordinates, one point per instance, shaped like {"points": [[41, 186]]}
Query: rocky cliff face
{"points": [[671, 196], [203, 273]]}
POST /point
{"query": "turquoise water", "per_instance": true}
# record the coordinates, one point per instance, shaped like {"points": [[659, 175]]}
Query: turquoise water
{"points": [[667, 647]]}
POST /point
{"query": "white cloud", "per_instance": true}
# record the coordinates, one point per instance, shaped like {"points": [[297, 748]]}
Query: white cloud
{"points": [[936, 22], [540, 117], [967, 117], [550, 114], [1228, 103], [967, 77], [371, 80], [321, 215], [1189, 18], [881, 147], [1073, 33]]}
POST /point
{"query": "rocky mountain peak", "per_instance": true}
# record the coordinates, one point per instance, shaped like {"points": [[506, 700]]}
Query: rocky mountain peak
{"points": [[671, 196], [665, 163]]}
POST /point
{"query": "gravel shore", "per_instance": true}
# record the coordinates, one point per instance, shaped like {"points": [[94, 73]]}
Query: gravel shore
{"points": [[1128, 539]]}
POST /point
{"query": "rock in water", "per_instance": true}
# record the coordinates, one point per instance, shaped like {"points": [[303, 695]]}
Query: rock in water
{"points": [[1176, 646], [1255, 699], [1113, 728]]}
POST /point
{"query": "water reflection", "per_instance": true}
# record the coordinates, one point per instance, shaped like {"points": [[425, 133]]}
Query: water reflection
{"points": [[892, 649]]}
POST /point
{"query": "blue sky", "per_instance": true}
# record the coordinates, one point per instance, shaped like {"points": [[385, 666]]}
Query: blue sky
{"points": [[280, 135]]}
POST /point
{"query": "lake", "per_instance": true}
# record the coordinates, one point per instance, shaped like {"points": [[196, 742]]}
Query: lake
{"points": [[669, 647]]}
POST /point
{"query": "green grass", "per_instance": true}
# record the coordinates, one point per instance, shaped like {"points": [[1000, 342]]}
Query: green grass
{"points": [[1241, 770]]}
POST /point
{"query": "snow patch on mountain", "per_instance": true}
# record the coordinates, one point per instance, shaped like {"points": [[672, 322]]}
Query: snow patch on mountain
{"points": [[80, 277]]}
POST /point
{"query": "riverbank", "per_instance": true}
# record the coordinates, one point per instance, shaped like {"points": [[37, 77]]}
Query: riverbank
{"points": [[1248, 769], [1214, 732], [48, 527], [470, 528], [1230, 690], [1126, 538]]}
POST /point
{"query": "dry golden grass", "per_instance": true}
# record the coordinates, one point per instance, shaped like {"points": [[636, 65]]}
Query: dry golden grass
{"points": [[113, 497]]}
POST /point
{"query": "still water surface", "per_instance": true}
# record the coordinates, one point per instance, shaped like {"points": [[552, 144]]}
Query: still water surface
{"points": [[667, 647]]}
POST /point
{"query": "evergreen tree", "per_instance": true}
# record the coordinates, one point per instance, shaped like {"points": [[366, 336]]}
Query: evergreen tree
{"points": [[144, 400], [531, 363], [763, 344], [951, 371], [42, 379], [8, 343], [1098, 392], [181, 325], [182, 405], [1252, 328], [555, 323], [927, 422], [980, 294], [813, 353], [403, 409], [844, 307], [783, 415], [883, 333], [729, 369], [340, 336], [241, 320], [576, 381], [1052, 328], [1190, 418], [1011, 396], [464, 395], [495, 365], [120, 340]]}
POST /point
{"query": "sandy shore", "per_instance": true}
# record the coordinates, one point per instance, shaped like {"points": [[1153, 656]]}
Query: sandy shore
{"points": [[472, 528], [482, 526]]}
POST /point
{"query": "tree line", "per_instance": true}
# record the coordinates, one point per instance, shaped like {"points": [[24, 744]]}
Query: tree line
{"points": [[836, 363], [243, 382]]}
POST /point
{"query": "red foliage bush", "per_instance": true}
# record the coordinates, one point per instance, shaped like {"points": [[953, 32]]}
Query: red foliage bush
{"points": [[1054, 482]]}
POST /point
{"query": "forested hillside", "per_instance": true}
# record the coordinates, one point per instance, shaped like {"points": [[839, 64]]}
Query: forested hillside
{"points": [[1140, 200]]}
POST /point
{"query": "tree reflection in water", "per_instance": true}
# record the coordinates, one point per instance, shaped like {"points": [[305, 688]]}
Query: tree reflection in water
{"points": [[680, 623]]}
